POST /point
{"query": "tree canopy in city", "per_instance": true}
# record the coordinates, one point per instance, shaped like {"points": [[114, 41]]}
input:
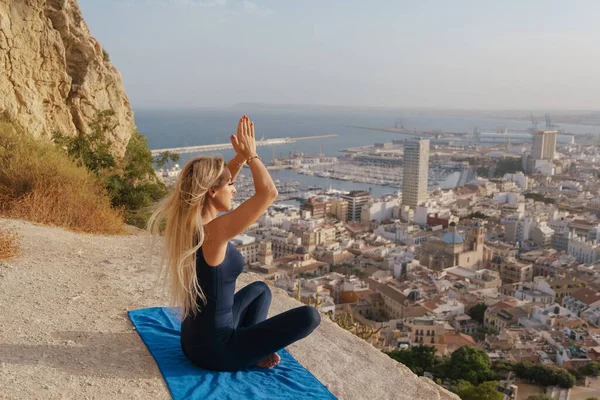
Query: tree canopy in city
{"points": [[418, 359], [470, 364], [485, 391], [477, 312]]}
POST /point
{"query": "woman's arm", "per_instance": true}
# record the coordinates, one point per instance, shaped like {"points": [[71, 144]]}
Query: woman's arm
{"points": [[235, 165], [229, 225]]}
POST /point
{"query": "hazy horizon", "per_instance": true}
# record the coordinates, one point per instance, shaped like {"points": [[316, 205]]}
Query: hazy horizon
{"points": [[265, 105], [459, 56]]}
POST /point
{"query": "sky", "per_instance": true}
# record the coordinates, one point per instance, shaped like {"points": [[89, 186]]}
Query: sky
{"points": [[530, 55]]}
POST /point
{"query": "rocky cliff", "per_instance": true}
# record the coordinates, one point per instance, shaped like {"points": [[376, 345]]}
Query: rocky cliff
{"points": [[54, 76]]}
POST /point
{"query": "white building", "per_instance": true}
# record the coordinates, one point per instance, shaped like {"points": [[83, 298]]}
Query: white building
{"points": [[543, 145], [538, 291], [544, 167], [519, 178], [542, 235], [507, 198], [379, 210], [416, 172], [586, 251]]}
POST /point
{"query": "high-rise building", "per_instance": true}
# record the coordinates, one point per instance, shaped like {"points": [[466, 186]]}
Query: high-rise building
{"points": [[356, 200], [339, 208], [317, 208], [543, 145], [416, 172]]}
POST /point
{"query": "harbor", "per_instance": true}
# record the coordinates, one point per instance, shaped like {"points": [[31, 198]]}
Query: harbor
{"points": [[300, 175]]}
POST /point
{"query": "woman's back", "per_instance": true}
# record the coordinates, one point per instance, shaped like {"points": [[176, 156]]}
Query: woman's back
{"points": [[218, 285]]}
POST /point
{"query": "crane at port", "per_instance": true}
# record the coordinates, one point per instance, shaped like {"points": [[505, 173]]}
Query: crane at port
{"points": [[399, 124], [549, 124], [534, 122]]}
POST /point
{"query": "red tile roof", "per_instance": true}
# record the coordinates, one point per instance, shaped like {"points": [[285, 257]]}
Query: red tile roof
{"points": [[459, 339], [587, 296]]}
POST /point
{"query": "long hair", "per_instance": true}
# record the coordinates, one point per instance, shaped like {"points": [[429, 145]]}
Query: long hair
{"points": [[179, 216]]}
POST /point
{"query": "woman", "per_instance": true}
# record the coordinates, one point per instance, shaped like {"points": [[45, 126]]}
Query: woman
{"points": [[221, 330]]}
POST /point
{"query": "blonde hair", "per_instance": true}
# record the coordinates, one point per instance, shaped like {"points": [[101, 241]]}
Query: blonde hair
{"points": [[179, 216]]}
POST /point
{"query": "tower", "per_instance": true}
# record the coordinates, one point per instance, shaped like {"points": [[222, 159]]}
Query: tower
{"points": [[477, 236], [265, 254], [416, 172], [543, 145]]}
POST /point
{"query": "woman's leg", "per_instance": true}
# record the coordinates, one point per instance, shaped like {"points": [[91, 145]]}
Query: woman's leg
{"points": [[251, 304], [253, 343]]}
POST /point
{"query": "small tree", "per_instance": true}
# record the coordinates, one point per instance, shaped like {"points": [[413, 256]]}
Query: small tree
{"points": [[483, 172], [590, 369], [485, 391], [163, 158], [470, 364], [477, 312], [540, 396], [418, 359], [91, 150]]}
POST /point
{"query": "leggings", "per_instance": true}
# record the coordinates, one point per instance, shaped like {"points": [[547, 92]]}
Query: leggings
{"points": [[252, 336]]}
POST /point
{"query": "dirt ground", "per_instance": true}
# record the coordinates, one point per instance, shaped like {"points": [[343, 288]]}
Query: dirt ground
{"points": [[64, 330]]}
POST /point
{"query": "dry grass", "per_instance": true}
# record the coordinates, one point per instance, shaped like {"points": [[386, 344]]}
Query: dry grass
{"points": [[40, 183], [8, 245]]}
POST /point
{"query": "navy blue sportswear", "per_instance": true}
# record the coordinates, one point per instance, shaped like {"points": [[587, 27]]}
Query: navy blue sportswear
{"points": [[231, 331]]}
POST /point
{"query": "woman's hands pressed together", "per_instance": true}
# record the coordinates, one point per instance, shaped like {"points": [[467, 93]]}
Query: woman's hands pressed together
{"points": [[244, 142]]}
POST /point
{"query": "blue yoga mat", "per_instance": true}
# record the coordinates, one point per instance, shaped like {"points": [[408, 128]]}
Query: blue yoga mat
{"points": [[159, 328]]}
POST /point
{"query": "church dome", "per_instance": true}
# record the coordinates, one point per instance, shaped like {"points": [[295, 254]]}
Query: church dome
{"points": [[415, 295], [452, 237], [301, 250]]}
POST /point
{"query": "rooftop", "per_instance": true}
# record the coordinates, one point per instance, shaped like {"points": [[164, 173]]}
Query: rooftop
{"points": [[452, 238], [586, 295]]}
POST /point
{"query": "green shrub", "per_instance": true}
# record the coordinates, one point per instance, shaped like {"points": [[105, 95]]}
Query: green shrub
{"points": [[131, 183], [544, 375], [590, 369], [418, 359], [477, 312], [135, 187], [539, 396], [469, 364], [92, 150], [484, 391]]}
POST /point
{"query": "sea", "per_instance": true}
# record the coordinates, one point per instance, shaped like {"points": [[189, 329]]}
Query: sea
{"points": [[193, 127]]}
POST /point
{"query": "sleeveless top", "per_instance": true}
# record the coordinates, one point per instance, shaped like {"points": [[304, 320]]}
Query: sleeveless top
{"points": [[214, 319]]}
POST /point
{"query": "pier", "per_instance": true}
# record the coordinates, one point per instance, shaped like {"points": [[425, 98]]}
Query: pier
{"points": [[405, 131], [223, 146]]}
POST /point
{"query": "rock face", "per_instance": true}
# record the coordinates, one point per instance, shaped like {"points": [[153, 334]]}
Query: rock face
{"points": [[54, 76]]}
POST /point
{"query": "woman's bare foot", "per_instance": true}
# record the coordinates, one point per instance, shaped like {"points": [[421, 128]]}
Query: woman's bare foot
{"points": [[269, 361]]}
